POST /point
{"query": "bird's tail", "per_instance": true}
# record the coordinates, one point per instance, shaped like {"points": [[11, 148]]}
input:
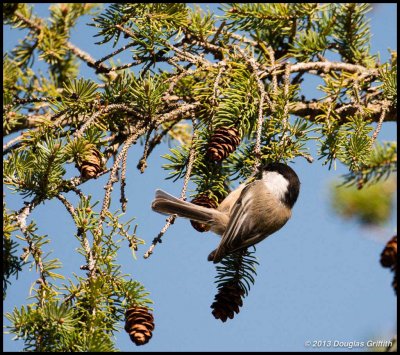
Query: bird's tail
{"points": [[167, 204]]}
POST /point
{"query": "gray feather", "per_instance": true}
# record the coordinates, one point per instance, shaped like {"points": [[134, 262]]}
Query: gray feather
{"points": [[167, 204]]}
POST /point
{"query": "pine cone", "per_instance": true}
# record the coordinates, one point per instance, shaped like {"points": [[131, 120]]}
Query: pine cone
{"points": [[227, 302], [222, 143], [91, 164], [205, 201], [139, 324], [389, 259], [389, 254]]}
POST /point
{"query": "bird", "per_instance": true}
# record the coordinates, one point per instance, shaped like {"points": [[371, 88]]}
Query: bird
{"points": [[248, 215]]}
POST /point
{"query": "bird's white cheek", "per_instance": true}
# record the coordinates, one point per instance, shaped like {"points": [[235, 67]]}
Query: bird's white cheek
{"points": [[276, 184]]}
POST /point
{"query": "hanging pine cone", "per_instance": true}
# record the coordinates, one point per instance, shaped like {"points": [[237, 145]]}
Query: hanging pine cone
{"points": [[389, 254], [227, 302], [389, 259], [91, 164], [222, 143], [139, 324], [205, 201]]}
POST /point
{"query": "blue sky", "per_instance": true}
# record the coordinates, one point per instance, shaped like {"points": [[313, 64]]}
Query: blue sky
{"points": [[319, 278]]}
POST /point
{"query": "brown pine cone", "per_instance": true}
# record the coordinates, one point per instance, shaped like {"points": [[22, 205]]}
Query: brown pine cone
{"points": [[227, 302], [204, 201], [223, 142], [389, 254], [139, 324], [91, 164]]}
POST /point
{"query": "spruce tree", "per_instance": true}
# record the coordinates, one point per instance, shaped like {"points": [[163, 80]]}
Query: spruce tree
{"points": [[227, 90]]}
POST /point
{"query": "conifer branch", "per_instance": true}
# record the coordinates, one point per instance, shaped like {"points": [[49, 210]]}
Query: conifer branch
{"points": [[85, 242], [271, 55], [108, 56], [100, 67], [22, 215], [218, 31], [70, 208], [311, 111], [12, 144], [142, 165], [209, 46], [157, 139], [286, 84], [241, 101], [75, 50], [104, 111], [285, 115], [322, 67], [31, 24], [217, 80], [112, 178], [141, 128], [263, 95]]}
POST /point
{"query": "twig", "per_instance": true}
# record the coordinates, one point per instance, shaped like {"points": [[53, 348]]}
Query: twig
{"points": [[257, 147], [325, 67], [174, 80], [13, 143], [123, 198], [28, 100], [385, 107], [173, 61], [23, 214], [85, 242], [185, 55], [68, 206], [77, 191], [75, 50], [31, 121], [100, 67], [142, 165], [217, 80], [146, 69], [140, 130], [157, 139], [171, 219], [218, 31], [243, 38], [271, 55], [107, 109], [356, 89], [124, 66], [207, 45], [114, 53], [311, 110], [32, 25], [111, 180], [306, 156], [72, 295], [286, 84], [59, 117]]}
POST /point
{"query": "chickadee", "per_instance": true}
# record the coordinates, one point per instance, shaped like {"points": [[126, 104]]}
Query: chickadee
{"points": [[247, 215]]}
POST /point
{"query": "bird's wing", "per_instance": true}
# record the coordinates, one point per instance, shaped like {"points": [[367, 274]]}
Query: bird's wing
{"points": [[237, 234]]}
